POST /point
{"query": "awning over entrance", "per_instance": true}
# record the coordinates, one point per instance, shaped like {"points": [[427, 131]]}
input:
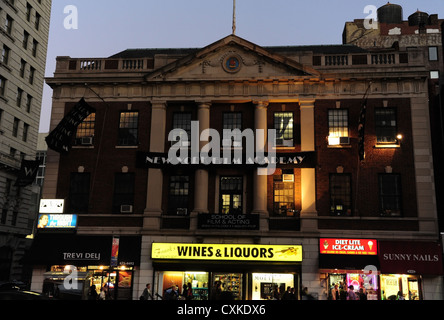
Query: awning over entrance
{"points": [[83, 250], [330, 262], [408, 257]]}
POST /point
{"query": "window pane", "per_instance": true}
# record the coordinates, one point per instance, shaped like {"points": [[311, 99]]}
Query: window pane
{"points": [[340, 194], [79, 192], [283, 124], [390, 194], [128, 129], [178, 194], [386, 128], [338, 123], [123, 190]]}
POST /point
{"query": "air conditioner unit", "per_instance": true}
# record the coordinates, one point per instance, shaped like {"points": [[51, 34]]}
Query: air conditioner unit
{"points": [[288, 143], [181, 211], [287, 178], [344, 140], [126, 208], [86, 141]]}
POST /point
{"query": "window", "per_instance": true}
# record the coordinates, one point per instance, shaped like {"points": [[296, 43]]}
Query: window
{"points": [[386, 128], [434, 74], [5, 55], [25, 40], [25, 132], [22, 68], [128, 129], [85, 130], [338, 127], [2, 86], [123, 198], [8, 25], [231, 195], [283, 124], [183, 121], [35, 45], [340, 194], [178, 195], [79, 192], [31, 75], [37, 21], [15, 127], [28, 12], [433, 53], [28, 103], [232, 121], [19, 97], [283, 194], [41, 172], [390, 194]]}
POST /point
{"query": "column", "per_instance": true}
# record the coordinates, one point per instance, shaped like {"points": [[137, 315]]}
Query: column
{"points": [[201, 175], [260, 180], [153, 209], [308, 175]]}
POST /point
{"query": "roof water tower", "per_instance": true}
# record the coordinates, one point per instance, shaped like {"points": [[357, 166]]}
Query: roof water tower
{"points": [[418, 18], [390, 13]]}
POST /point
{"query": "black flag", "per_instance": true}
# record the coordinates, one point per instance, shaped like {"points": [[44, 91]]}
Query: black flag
{"points": [[27, 173], [60, 138], [361, 130]]}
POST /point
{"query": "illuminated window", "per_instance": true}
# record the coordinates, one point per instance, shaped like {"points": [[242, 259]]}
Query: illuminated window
{"points": [[340, 194], [283, 124], [231, 195], [128, 129], [85, 130], [338, 127], [283, 194]]}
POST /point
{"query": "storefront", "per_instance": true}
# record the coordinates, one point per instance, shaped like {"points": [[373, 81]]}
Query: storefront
{"points": [[227, 271], [349, 264], [75, 263], [404, 267]]}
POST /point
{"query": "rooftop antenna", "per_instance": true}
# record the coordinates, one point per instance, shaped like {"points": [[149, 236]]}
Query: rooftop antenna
{"points": [[234, 17]]}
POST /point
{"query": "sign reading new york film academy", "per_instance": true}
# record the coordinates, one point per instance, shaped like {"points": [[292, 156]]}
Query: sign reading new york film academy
{"points": [[226, 150], [232, 252]]}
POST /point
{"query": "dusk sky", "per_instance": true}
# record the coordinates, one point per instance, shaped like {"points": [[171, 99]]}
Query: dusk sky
{"points": [[106, 27]]}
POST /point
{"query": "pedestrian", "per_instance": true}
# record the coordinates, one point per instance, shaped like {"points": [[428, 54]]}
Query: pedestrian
{"points": [[146, 294], [102, 294], [287, 294], [335, 293], [171, 293], [400, 296], [351, 293], [92, 294], [362, 295], [343, 294]]}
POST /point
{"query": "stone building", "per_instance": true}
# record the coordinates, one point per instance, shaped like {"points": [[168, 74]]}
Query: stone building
{"points": [[24, 30], [336, 206]]}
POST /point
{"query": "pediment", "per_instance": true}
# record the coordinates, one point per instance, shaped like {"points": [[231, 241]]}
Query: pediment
{"points": [[231, 58]]}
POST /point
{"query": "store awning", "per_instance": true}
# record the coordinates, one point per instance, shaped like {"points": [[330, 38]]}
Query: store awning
{"points": [[78, 250], [331, 262], [408, 257]]}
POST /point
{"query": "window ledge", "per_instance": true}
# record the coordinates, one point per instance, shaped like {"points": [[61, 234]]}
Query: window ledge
{"points": [[127, 147], [387, 146], [339, 146]]}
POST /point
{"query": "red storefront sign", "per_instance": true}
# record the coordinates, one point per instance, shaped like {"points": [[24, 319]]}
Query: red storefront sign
{"points": [[407, 257], [348, 246]]}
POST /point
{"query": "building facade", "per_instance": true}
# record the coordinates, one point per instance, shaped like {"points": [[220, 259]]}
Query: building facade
{"points": [[24, 30], [339, 205]]}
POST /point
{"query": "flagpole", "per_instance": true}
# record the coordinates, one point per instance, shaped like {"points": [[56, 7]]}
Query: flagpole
{"points": [[234, 17], [363, 107]]}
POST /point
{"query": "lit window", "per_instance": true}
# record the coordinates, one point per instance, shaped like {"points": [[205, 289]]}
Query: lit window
{"points": [[283, 124], [386, 127], [338, 127]]}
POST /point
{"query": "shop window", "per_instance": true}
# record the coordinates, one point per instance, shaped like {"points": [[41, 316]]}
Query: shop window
{"points": [[178, 195], [226, 286], [283, 194], [85, 131], [182, 121], [128, 129], [338, 127], [272, 286], [123, 198], [340, 194], [400, 287], [283, 124], [79, 192], [197, 282], [232, 121], [231, 195], [386, 127], [390, 194]]}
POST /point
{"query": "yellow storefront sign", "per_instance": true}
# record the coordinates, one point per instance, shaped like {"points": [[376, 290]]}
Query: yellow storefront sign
{"points": [[233, 252]]}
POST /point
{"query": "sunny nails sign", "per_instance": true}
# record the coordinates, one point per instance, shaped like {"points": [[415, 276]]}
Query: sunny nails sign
{"points": [[348, 246]]}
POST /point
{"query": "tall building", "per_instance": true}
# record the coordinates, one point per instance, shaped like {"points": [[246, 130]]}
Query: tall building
{"points": [[24, 29], [324, 174]]}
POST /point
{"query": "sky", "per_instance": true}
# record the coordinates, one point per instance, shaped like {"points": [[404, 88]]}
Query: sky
{"points": [[106, 27]]}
